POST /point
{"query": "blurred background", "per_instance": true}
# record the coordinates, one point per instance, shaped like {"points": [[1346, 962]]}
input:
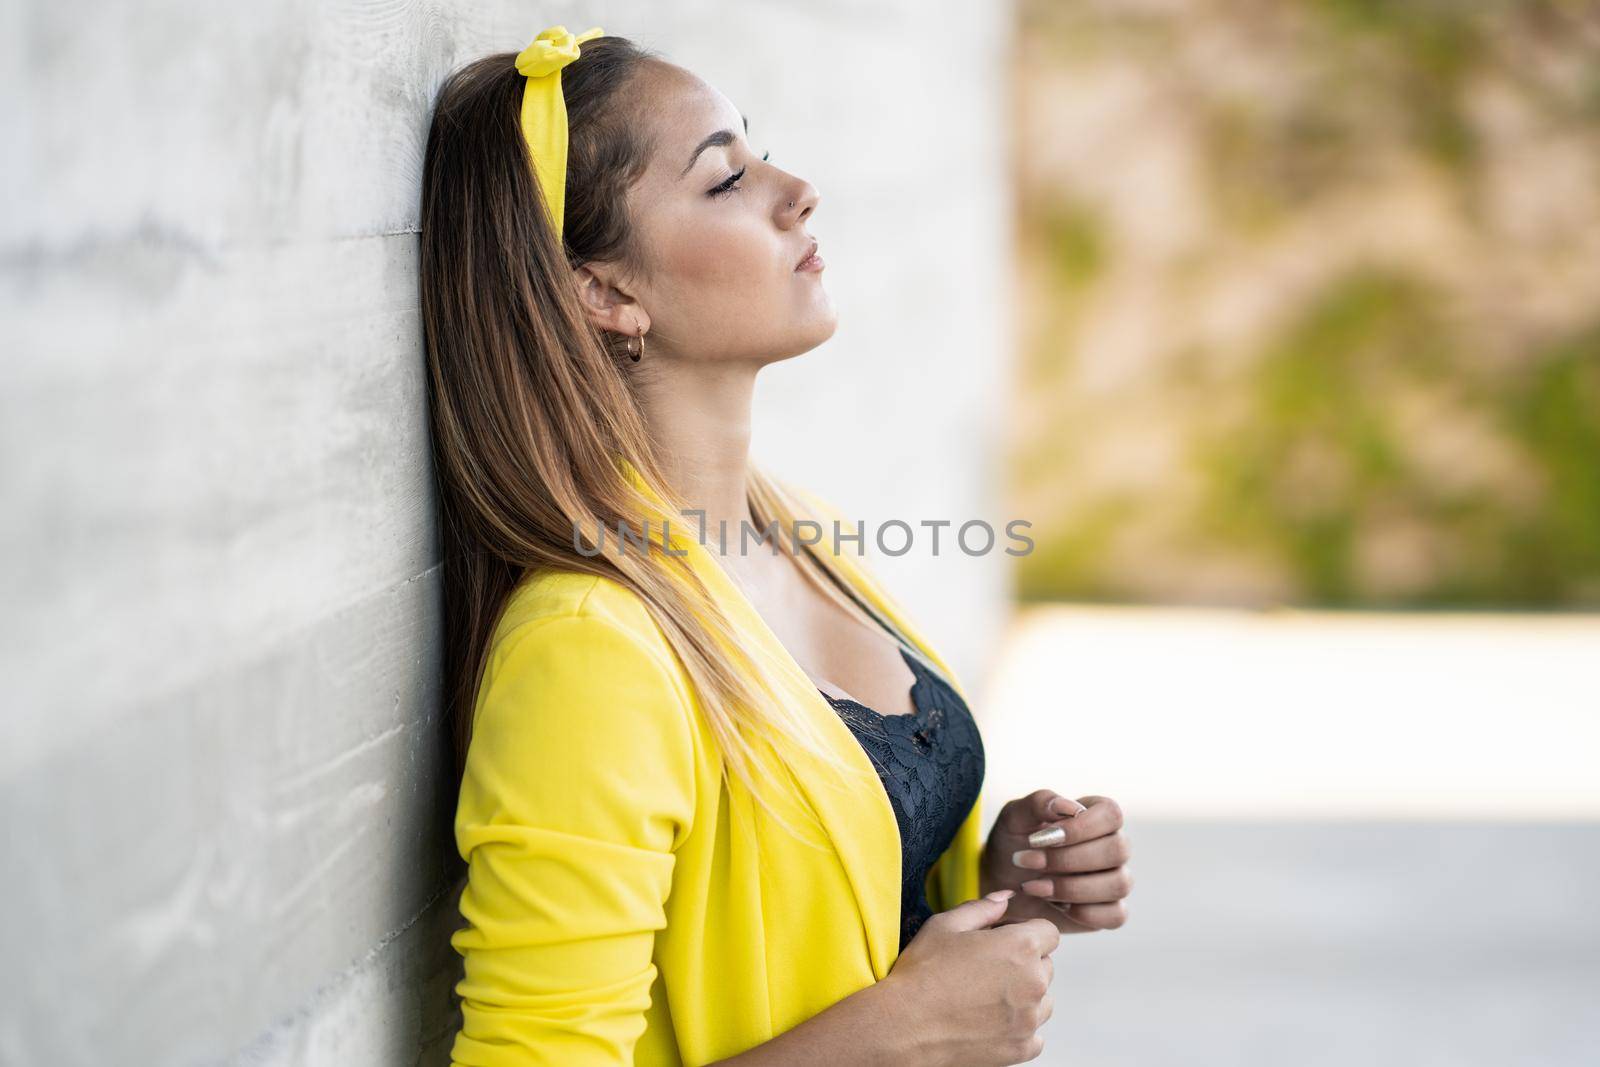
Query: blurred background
{"points": [[1279, 322], [1307, 417]]}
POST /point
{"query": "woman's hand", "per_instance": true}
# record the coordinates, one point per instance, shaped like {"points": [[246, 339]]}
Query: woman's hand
{"points": [[1079, 883], [965, 993]]}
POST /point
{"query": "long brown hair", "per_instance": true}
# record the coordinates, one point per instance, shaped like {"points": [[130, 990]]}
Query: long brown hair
{"points": [[531, 405]]}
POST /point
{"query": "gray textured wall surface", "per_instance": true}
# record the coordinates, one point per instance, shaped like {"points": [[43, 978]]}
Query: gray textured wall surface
{"points": [[223, 778]]}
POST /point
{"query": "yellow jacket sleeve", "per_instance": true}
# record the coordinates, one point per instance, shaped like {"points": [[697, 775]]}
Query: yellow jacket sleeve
{"points": [[579, 784]]}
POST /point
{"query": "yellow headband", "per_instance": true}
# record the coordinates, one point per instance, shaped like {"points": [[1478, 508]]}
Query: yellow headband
{"points": [[544, 111]]}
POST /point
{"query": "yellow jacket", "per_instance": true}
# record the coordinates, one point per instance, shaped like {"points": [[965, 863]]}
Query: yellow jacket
{"points": [[622, 903]]}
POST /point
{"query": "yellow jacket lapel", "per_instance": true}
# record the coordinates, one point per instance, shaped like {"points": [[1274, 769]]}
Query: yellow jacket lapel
{"points": [[859, 820]]}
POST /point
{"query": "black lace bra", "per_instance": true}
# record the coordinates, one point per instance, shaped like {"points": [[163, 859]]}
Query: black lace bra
{"points": [[931, 764]]}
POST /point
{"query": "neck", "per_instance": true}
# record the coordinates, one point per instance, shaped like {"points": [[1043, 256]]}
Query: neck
{"points": [[699, 419]]}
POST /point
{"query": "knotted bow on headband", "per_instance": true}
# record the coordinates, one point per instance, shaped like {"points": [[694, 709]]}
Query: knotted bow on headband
{"points": [[544, 111]]}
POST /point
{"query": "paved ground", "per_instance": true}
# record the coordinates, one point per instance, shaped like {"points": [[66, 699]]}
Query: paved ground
{"points": [[1304, 944], [1360, 838]]}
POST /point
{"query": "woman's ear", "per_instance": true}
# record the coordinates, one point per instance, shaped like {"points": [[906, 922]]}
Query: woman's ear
{"points": [[607, 306]]}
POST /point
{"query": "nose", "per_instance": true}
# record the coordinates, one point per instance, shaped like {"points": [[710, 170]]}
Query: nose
{"points": [[801, 201]]}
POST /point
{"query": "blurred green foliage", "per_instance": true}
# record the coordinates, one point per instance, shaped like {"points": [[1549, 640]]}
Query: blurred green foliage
{"points": [[1375, 445]]}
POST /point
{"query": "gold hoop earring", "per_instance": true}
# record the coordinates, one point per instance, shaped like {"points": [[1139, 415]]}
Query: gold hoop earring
{"points": [[636, 355]]}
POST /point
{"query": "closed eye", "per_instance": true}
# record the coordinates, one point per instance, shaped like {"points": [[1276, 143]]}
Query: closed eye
{"points": [[732, 183]]}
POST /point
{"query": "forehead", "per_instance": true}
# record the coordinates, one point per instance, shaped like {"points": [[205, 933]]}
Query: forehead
{"points": [[681, 109]]}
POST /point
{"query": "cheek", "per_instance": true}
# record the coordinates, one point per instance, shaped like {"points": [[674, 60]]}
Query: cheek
{"points": [[709, 263]]}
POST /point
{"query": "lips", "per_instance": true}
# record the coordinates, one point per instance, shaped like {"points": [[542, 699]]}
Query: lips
{"points": [[811, 251]]}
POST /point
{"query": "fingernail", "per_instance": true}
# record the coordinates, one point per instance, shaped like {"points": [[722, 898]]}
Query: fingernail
{"points": [[1066, 806], [1001, 894], [1028, 858], [1048, 837], [1039, 887]]}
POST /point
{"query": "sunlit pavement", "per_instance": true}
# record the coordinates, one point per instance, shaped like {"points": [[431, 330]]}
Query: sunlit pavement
{"points": [[1358, 838]]}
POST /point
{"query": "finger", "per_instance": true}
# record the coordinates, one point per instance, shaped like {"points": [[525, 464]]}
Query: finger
{"points": [[1049, 806], [1024, 907], [1042, 935], [1107, 813], [974, 914], [1103, 816], [1042, 805], [1101, 854], [1039, 933], [1095, 888], [1098, 916]]}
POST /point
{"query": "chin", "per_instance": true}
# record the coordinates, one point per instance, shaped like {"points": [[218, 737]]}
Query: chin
{"points": [[808, 336], [831, 323], [823, 328]]}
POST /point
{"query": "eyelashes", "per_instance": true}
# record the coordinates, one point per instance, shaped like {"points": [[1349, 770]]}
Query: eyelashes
{"points": [[729, 185], [733, 181]]}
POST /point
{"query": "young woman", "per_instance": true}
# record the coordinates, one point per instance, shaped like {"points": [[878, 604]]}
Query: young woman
{"points": [[716, 804]]}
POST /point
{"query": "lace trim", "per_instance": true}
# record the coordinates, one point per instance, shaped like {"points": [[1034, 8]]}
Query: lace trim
{"points": [[931, 763]]}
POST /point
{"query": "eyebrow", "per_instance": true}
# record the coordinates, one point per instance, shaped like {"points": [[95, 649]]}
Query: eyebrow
{"points": [[721, 137]]}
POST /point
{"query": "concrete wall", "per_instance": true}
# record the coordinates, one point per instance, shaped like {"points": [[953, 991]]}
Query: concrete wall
{"points": [[223, 783]]}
